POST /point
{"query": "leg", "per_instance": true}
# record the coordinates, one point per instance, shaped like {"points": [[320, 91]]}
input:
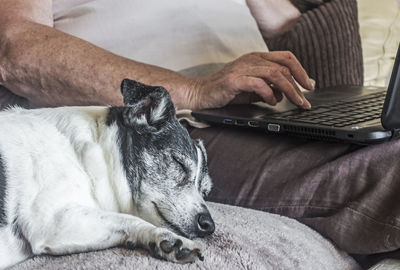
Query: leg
{"points": [[347, 193], [12, 249], [80, 229]]}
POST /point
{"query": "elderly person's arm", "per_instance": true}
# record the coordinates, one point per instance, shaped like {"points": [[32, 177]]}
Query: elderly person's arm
{"points": [[325, 38], [52, 68]]}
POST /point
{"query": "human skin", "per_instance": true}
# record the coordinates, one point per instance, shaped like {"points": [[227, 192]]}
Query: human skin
{"points": [[52, 68]]}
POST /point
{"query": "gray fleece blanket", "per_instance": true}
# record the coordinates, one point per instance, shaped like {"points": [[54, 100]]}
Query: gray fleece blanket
{"points": [[244, 239]]}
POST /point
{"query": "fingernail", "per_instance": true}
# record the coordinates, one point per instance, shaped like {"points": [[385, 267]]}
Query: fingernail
{"points": [[312, 84], [307, 104]]}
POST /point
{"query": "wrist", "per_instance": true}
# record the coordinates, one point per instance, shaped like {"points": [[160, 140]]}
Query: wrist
{"points": [[186, 94], [182, 89]]}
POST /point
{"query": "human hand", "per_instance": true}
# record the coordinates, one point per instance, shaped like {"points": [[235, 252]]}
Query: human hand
{"points": [[273, 17], [268, 75]]}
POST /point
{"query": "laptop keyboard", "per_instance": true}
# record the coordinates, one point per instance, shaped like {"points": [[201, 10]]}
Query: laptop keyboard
{"points": [[339, 113]]}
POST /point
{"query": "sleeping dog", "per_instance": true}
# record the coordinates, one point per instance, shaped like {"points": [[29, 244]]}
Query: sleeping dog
{"points": [[76, 179]]}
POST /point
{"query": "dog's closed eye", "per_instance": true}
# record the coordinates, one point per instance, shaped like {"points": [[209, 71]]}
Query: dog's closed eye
{"points": [[185, 178]]}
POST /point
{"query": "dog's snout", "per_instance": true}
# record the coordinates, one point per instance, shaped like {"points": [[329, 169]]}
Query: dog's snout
{"points": [[204, 224]]}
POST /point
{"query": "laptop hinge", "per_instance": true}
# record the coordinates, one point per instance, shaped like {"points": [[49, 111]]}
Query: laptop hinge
{"points": [[396, 133]]}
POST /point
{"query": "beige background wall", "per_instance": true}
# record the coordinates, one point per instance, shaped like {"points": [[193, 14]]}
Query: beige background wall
{"points": [[380, 32]]}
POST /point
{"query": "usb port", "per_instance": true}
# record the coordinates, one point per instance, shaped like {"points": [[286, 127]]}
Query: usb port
{"points": [[227, 121], [274, 127], [253, 124]]}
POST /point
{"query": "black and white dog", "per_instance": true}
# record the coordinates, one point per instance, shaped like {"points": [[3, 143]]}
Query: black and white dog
{"points": [[77, 179]]}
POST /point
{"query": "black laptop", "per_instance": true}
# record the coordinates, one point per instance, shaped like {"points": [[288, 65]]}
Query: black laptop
{"points": [[357, 114]]}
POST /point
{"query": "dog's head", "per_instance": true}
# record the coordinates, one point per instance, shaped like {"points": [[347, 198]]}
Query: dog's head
{"points": [[166, 169]]}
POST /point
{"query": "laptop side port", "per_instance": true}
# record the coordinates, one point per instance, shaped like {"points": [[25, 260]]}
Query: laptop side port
{"points": [[274, 127], [240, 123], [253, 124], [227, 121]]}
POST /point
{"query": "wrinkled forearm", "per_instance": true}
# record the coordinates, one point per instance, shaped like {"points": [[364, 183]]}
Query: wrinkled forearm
{"points": [[51, 68]]}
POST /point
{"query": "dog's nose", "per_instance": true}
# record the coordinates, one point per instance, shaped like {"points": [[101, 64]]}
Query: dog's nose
{"points": [[204, 224]]}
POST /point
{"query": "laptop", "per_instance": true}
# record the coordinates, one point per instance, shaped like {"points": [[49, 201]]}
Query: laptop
{"points": [[355, 114]]}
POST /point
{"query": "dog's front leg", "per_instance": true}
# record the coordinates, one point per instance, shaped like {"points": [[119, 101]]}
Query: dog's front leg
{"points": [[80, 229]]}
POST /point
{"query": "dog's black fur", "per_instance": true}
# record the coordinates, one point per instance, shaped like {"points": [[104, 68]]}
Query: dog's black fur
{"points": [[3, 185], [154, 136]]}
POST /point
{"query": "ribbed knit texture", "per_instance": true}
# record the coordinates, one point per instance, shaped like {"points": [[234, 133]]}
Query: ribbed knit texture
{"points": [[327, 42]]}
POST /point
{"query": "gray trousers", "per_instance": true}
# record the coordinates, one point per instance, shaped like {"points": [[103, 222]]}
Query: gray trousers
{"points": [[350, 194]]}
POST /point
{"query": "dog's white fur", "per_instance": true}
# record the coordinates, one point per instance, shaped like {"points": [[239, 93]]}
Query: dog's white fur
{"points": [[77, 198]]}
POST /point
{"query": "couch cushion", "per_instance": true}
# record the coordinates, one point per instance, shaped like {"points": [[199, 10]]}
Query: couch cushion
{"points": [[244, 239]]}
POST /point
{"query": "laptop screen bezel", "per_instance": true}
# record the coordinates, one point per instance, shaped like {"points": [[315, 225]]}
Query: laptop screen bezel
{"points": [[390, 117]]}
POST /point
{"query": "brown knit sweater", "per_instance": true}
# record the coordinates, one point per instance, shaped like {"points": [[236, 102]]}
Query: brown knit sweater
{"points": [[326, 40]]}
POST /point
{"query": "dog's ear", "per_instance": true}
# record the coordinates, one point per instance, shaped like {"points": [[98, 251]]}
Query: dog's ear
{"points": [[200, 144], [145, 106]]}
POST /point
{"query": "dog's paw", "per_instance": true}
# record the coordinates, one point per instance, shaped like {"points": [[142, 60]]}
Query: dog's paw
{"points": [[172, 247]]}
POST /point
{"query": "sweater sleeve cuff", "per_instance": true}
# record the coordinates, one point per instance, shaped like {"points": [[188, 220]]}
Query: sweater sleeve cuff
{"points": [[306, 5], [327, 42]]}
